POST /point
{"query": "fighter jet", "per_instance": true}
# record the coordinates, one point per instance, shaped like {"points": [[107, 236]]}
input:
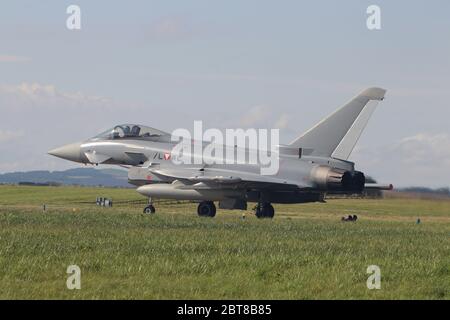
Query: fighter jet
{"points": [[312, 165]]}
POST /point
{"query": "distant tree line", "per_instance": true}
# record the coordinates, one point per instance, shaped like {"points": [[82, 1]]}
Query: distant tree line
{"points": [[44, 184], [437, 191]]}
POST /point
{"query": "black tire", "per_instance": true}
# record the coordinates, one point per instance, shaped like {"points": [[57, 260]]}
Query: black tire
{"points": [[259, 213], [265, 211], [270, 211], [206, 209], [150, 209]]}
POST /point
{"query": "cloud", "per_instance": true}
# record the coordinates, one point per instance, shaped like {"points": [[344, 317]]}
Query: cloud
{"points": [[170, 28], [264, 117], [13, 59], [425, 148], [29, 89], [422, 159], [8, 136], [282, 122], [47, 95], [255, 116]]}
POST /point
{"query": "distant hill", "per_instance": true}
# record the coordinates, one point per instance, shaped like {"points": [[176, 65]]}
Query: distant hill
{"points": [[78, 176]]}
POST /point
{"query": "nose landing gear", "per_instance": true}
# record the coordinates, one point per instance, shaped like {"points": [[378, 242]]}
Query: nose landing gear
{"points": [[149, 209]]}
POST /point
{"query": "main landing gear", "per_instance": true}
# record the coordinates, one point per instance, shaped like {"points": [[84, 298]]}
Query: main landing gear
{"points": [[206, 209], [264, 210]]}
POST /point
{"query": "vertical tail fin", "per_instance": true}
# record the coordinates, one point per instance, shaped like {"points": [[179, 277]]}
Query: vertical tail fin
{"points": [[337, 134]]}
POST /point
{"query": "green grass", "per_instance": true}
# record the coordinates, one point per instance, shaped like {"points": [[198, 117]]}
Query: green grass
{"points": [[306, 252]]}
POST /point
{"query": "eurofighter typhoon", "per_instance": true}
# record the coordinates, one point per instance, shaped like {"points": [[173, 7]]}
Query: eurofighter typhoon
{"points": [[312, 165]]}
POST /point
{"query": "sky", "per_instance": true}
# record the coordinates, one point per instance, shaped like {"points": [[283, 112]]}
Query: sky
{"points": [[232, 64]]}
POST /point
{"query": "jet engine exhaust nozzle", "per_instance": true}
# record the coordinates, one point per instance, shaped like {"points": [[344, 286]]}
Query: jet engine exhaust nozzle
{"points": [[334, 179]]}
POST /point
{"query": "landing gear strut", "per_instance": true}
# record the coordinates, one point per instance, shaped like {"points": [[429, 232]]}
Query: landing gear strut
{"points": [[265, 210], [150, 209], [206, 209]]}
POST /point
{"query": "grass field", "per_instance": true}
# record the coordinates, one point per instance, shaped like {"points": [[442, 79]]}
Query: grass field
{"points": [[305, 252]]}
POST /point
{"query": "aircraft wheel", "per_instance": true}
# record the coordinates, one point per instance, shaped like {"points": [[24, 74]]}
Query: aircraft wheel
{"points": [[206, 209], [265, 211], [270, 211], [150, 209]]}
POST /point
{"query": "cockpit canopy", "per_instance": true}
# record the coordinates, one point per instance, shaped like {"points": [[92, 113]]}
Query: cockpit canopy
{"points": [[131, 131]]}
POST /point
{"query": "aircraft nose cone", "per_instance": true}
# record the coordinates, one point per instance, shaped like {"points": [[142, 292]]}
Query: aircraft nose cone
{"points": [[70, 152]]}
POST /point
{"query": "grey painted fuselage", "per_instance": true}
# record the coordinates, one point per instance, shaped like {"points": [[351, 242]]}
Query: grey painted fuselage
{"points": [[310, 166]]}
